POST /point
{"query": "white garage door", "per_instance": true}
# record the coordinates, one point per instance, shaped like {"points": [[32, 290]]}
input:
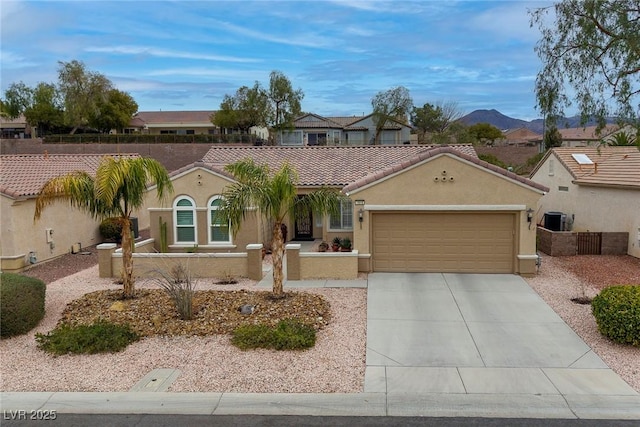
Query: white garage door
{"points": [[443, 242]]}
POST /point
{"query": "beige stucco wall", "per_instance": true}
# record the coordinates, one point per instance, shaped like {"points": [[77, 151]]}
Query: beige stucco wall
{"points": [[21, 235], [592, 208], [200, 265], [329, 265], [199, 184], [466, 187]]}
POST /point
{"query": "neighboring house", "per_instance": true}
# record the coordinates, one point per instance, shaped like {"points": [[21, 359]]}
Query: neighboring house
{"points": [[584, 137], [598, 189], [412, 208], [180, 123], [312, 129], [580, 136], [61, 226], [14, 128], [520, 136]]}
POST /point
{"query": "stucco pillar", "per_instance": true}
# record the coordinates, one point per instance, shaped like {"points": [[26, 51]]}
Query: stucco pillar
{"points": [[293, 261], [254, 261], [105, 250]]}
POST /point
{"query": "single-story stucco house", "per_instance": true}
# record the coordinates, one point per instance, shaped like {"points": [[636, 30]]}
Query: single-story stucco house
{"points": [[411, 209], [24, 242], [181, 123], [596, 188]]}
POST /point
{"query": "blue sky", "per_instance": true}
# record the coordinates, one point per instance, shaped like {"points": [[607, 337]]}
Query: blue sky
{"points": [[186, 55]]}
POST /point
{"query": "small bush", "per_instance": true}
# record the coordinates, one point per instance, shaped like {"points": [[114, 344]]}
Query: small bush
{"points": [[617, 313], [111, 229], [21, 303], [287, 335], [100, 337]]}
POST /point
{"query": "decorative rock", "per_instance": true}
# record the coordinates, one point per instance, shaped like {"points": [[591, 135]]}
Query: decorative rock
{"points": [[246, 309], [118, 306]]}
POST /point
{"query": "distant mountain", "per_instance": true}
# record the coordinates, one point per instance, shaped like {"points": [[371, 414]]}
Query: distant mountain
{"points": [[497, 119], [503, 122]]}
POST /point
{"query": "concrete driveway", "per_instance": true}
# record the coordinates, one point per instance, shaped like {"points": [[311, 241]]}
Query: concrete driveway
{"points": [[475, 334]]}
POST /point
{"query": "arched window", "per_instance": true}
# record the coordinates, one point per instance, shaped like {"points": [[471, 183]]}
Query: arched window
{"points": [[218, 229], [184, 220]]}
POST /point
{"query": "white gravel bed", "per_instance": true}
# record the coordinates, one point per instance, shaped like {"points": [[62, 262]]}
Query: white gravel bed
{"points": [[557, 286], [335, 365]]}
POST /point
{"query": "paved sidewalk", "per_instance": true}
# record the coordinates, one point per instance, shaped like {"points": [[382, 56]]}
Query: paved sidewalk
{"points": [[441, 345]]}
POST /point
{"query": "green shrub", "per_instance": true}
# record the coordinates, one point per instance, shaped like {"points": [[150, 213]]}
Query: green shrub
{"points": [[287, 335], [21, 303], [99, 337], [111, 229], [491, 158], [617, 313]]}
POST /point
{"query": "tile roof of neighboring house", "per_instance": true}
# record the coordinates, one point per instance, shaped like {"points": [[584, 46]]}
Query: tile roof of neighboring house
{"points": [[312, 121], [612, 166], [343, 166], [23, 175], [344, 122], [172, 117], [588, 133]]}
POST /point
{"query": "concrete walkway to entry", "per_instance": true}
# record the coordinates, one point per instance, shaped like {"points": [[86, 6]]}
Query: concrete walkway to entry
{"points": [[461, 339]]}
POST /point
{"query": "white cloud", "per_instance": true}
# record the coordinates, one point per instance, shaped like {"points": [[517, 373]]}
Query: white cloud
{"points": [[163, 53]]}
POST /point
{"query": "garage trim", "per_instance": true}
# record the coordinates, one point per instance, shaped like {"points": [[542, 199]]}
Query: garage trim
{"points": [[478, 208]]}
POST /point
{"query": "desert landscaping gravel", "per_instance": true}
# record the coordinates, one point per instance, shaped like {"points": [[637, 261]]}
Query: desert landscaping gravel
{"points": [[335, 365], [562, 279]]}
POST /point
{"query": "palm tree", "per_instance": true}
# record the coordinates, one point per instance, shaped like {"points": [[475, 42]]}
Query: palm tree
{"points": [[276, 198], [116, 191]]}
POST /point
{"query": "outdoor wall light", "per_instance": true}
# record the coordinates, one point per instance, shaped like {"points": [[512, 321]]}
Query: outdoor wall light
{"points": [[530, 217]]}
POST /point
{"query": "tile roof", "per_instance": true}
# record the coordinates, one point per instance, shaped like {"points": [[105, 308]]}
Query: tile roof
{"points": [[587, 133], [334, 166], [612, 166], [23, 175], [437, 151], [164, 117]]}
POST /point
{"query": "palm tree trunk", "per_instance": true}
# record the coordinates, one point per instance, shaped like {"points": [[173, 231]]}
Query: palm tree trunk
{"points": [[277, 254], [127, 259]]}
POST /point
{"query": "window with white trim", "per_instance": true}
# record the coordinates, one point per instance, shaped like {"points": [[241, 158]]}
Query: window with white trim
{"points": [[218, 229], [344, 220], [184, 220]]}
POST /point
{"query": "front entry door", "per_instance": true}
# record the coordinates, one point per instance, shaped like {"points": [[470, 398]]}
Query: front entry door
{"points": [[304, 225]]}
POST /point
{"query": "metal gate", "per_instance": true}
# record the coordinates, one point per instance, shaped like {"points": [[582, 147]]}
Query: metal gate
{"points": [[589, 243]]}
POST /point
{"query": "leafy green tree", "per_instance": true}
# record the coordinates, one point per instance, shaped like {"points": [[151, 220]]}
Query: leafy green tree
{"points": [[117, 190], [394, 104], [17, 98], [284, 102], [113, 112], [82, 91], [485, 132], [434, 119], [41, 106], [275, 196], [247, 108], [45, 111], [552, 138], [590, 52]]}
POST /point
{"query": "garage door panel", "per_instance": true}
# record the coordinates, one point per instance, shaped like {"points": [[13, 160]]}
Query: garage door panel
{"points": [[443, 242]]}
